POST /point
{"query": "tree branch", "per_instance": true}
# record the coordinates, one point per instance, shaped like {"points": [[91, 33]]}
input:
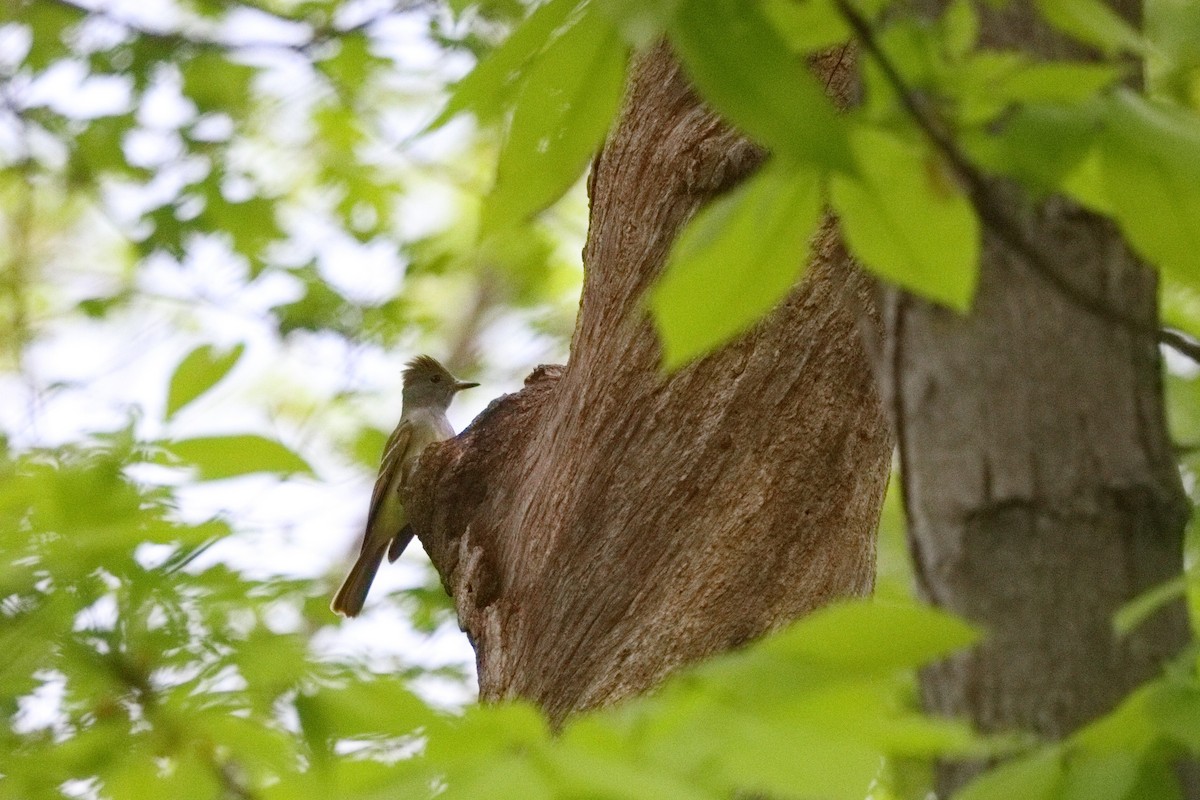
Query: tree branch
{"points": [[1180, 342]]}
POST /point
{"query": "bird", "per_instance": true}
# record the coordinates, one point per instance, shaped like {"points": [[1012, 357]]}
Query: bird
{"points": [[428, 389]]}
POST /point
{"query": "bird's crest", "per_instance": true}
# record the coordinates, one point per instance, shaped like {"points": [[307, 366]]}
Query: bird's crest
{"points": [[423, 365]]}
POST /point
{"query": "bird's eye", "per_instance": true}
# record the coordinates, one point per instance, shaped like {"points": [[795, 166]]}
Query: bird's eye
{"points": [[436, 379]]}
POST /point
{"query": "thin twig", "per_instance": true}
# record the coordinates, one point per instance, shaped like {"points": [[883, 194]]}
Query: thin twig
{"points": [[1180, 342]]}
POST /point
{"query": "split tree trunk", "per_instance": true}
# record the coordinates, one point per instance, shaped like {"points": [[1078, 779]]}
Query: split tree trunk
{"points": [[607, 524], [1039, 483]]}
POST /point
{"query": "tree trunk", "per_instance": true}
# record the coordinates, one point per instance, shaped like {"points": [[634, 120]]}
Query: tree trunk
{"points": [[607, 523], [1039, 484]]}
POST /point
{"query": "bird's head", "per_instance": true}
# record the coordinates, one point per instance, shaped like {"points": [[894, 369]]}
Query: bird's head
{"points": [[428, 383]]}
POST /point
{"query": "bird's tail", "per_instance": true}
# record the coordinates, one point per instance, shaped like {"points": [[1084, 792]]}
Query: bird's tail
{"points": [[350, 598], [399, 543]]}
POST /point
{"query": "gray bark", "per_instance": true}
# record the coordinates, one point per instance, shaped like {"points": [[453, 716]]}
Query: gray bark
{"points": [[1040, 487]]}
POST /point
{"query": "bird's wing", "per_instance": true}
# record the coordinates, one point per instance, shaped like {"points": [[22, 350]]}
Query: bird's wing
{"points": [[389, 470]]}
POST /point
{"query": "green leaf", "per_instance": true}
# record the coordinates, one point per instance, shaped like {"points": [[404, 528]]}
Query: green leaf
{"points": [[49, 23], [220, 457], [488, 89], [367, 447], [198, 372], [807, 26], [353, 712], [1100, 776], [1040, 144], [1183, 391], [1157, 778], [907, 219], [746, 70], [582, 771], [1038, 777], [312, 715], [1085, 184], [1142, 607], [1060, 82], [484, 732], [1173, 66], [1093, 22], [215, 83], [320, 307], [271, 664], [641, 22], [803, 762], [352, 64], [99, 148], [566, 103], [874, 636], [960, 27], [1127, 727], [1151, 165], [736, 260], [507, 778], [1174, 712], [250, 223], [100, 307]]}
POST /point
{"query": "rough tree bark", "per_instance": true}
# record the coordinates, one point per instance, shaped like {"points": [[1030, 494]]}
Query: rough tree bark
{"points": [[1039, 484], [606, 524]]}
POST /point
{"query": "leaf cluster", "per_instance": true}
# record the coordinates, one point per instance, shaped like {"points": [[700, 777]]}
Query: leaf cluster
{"points": [[903, 171]]}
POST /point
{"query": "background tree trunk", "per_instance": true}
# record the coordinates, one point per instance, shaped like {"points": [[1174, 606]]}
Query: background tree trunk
{"points": [[1039, 484], [607, 524]]}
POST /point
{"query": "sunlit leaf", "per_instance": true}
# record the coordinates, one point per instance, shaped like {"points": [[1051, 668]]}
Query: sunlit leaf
{"points": [[1036, 778], [490, 88], [736, 260], [807, 26], [198, 372], [875, 635], [1174, 711], [484, 732], [1093, 22], [271, 663], [353, 63], [1061, 82], [908, 220], [250, 223], [600, 772], [1142, 607], [960, 27], [1040, 144], [1129, 726], [49, 23], [746, 70], [218, 457], [1100, 776], [215, 83], [99, 149], [641, 22], [805, 762], [1173, 64], [567, 100], [1151, 168], [507, 778]]}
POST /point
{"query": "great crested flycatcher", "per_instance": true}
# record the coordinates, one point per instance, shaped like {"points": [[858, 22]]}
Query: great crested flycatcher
{"points": [[428, 389]]}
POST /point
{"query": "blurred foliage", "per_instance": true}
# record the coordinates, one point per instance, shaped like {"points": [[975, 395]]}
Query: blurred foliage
{"points": [[247, 128], [286, 146], [137, 672]]}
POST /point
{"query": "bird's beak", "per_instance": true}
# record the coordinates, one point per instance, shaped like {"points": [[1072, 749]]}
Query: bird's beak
{"points": [[460, 385]]}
